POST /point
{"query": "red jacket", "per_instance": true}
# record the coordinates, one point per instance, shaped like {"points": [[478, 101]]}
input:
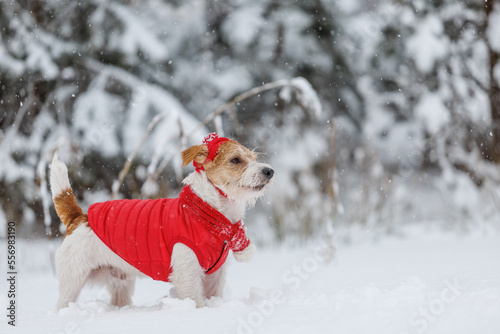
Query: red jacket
{"points": [[143, 232]]}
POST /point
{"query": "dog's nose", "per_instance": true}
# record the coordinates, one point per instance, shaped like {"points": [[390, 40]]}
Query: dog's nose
{"points": [[268, 172]]}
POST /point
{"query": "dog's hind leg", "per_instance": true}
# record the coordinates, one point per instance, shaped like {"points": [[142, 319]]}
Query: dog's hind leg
{"points": [[215, 282], [187, 274], [72, 278], [121, 288], [70, 287]]}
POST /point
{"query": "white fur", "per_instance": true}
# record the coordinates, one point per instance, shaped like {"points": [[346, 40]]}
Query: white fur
{"points": [[215, 282], [59, 180], [83, 258], [246, 254], [187, 274], [234, 210]]}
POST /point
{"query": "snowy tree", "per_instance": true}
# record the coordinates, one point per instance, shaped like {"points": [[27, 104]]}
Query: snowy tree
{"points": [[434, 92], [73, 81], [491, 29], [88, 78], [407, 89]]}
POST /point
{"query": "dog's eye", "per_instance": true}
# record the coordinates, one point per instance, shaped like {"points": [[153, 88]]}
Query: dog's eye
{"points": [[236, 161]]}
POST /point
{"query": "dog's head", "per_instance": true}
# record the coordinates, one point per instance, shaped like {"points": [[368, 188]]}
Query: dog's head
{"points": [[231, 167]]}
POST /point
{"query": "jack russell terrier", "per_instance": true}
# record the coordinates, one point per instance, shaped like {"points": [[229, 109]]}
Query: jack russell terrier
{"points": [[184, 240]]}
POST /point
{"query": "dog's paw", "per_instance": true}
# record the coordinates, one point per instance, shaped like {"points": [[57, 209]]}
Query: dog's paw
{"points": [[246, 254]]}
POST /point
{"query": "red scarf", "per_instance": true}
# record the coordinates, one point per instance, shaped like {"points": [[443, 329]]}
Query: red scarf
{"points": [[215, 222]]}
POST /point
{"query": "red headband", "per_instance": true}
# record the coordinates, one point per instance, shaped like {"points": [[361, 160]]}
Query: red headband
{"points": [[213, 141]]}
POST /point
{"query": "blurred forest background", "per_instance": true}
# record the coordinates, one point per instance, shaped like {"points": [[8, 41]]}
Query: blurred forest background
{"points": [[407, 130]]}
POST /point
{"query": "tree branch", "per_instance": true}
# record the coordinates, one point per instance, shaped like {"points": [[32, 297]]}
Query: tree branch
{"points": [[238, 99], [117, 183]]}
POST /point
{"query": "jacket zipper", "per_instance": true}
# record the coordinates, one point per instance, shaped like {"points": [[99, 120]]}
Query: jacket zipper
{"points": [[222, 252]]}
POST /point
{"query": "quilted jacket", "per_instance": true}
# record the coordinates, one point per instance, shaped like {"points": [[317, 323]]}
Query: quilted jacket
{"points": [[144, 232]]}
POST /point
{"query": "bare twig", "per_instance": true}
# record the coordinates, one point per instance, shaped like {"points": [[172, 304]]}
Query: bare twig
{"points": [[236, 122], [331, 169], [333, 199], [170, 156], [156, 166], [26, 105], [218, 125], [131, 157], [468, 74]]}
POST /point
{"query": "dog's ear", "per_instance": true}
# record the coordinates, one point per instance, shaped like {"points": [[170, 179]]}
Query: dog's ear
{"points": [[198, 153]]}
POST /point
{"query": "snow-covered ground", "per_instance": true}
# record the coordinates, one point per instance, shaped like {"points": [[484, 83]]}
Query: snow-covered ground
{"points": [[423, 282]]}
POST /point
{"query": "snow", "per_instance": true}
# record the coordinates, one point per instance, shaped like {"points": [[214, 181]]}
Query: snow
{"points": [[40, 59], [426, 45], [95, 116], [493, 29], [232, 82], [407, 146], [242, 26], [432, 112], [100, 115], [295, 22], [137, 37], [348, 6], [11, 142], [306, 95], [424, 281], [9, 63]]}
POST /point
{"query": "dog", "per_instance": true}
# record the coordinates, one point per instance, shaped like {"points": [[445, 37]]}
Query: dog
{"points": [[185, 240]]}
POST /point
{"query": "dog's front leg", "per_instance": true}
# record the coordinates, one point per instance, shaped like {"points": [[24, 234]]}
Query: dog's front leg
{"points": [[214, 283], [187, 274]]}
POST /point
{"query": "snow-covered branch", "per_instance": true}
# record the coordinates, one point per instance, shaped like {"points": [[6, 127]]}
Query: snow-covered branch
{"points": [[306, 96]]}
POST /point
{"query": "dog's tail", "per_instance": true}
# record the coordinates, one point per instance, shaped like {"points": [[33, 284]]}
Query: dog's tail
{"points": [[64, 200]]}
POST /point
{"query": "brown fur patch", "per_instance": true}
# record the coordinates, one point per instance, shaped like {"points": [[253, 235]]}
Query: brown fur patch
{"points": [[197, 153], [230, 163], [68, 211], [77, 222]]}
